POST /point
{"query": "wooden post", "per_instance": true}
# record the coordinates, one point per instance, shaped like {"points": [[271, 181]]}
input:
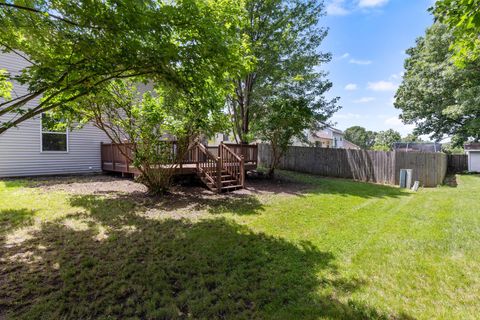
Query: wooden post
{"points": [[127, 152], [101, 154], [242, 171], [219, 174], [113, 157]]}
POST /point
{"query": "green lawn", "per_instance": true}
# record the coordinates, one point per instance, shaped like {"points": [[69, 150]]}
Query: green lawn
{"points": [[334, 250]]}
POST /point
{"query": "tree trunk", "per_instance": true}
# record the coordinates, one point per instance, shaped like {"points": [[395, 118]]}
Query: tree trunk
{"points": [[242, 106], [276, 155]]}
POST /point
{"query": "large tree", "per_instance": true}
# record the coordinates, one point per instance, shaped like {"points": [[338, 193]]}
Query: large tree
{"points": [[462, 17], [289, 115], [5, 85], [74, 47], [437, 95], [284, 38], [358, 135]]}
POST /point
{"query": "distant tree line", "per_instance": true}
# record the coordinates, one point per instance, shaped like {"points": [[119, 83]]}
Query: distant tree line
{"points": [[380, 141]]}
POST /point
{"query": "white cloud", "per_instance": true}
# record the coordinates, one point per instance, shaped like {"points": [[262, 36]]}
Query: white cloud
{"points": [[382, 86], [371, 3], [345, 7], [344, 56], [348, 115], [394, 121], [397, 124], [351, 87], [364, 100], [337, 8], [396, 76], [360, 62]]}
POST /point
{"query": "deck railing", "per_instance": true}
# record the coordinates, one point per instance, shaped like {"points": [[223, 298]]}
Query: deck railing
{"points": [[230, 158], [208, 165], [232, 163], [248, 151], [119, 157]]}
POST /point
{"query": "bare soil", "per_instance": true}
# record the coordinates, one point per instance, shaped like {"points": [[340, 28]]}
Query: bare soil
{"points": [[105, 184]]}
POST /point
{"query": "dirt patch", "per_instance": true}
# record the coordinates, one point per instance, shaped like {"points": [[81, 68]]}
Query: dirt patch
{"points": [[91, 184], [105, 184]]}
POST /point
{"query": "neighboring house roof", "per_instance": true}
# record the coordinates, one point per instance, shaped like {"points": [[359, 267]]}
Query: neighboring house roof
{"points": [[336, 130], [350, 145], [472, 146], [324, 135]]}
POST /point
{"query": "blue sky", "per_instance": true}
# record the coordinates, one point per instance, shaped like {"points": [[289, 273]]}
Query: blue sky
{"points": [[368, 39]]}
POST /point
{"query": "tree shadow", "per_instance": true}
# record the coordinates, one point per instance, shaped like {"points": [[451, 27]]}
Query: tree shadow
{"points": [[14, 218], [170, 269], [110, 206]]}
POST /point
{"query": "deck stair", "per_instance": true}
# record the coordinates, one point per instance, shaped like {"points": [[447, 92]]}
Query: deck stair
{"points": [[222, 173]]}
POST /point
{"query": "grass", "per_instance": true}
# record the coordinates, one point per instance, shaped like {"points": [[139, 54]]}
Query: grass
{"points": [[336, 250]]}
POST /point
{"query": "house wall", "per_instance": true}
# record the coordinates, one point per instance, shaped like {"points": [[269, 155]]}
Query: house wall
{"points": [[474, 161], [20, 148], [337, 140], [325, 138]]}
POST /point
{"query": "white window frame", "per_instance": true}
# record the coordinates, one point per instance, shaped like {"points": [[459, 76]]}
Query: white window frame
{"points": [[41, 138]]}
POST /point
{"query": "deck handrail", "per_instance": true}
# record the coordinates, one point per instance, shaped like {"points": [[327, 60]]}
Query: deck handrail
{"points": [[232, 163], [211, 167]]}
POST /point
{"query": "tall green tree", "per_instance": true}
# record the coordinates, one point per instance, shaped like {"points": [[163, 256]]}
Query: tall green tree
{"points": [[5, 85], [437, 95], [288, 116], [384, 140], [74, 47], [284, 38], [462, 17], [358, 135]]}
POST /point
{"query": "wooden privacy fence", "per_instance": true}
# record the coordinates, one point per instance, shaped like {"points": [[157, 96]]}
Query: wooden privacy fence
{"points": [[363, 165], [457, 163]]}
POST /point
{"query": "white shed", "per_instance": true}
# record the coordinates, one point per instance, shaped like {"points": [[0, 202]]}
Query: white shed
{"points": [[473, 152]]}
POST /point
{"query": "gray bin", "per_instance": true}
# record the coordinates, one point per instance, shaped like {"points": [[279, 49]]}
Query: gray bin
{"points": [[406, 178]]}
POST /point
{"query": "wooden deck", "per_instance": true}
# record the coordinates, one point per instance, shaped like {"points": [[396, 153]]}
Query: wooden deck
{"points": [[221, 168]]}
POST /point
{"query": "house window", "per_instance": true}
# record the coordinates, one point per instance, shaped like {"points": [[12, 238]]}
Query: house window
{"points": [[54, 135]]}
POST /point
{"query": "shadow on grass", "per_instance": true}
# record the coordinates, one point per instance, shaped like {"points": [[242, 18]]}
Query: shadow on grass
{"points": [[169, 269], [14, 218], [108, 208]]}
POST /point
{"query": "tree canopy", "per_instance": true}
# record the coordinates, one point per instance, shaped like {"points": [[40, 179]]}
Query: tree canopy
{"points": [[75, 48], [284, 38], [441, 98], [360, 136], [462, 17], [384, 140]]}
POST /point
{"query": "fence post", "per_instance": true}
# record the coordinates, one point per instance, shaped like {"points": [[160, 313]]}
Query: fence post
{"points": [[242, 171], [219, 174]]}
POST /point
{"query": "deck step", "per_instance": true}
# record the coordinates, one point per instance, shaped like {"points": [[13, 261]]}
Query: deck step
{"points": [[237, 186]]}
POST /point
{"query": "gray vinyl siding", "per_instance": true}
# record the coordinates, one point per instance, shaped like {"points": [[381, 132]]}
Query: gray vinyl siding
{"points": [[20, 148]]}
